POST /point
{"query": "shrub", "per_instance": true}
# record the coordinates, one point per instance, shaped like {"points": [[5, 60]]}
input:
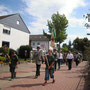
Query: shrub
{"points": [[87, 54], [21, 51]]}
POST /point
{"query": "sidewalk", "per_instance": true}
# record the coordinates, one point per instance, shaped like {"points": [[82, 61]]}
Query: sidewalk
{"points": [[65, 79]]}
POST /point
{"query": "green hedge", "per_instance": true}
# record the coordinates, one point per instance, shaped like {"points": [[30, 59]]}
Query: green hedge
{"points": [[87, 54], [21, 51]]}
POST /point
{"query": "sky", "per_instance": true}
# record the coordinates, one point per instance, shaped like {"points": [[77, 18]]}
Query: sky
{"points": [[35, 14]]}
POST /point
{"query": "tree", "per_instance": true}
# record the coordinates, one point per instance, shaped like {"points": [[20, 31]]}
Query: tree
{"points": [[81, 44], [22, 49], [59, 23], [70, 46], [65, 47]]}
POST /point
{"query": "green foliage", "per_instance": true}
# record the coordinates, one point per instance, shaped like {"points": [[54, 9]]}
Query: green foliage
{"points": [[3, 52], [70, 46], [81, 44], [87, 54], [22, 49], [2, 58], [65, 49], [59, 23]]}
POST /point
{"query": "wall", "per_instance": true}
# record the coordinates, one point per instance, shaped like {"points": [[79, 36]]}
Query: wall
{"points": [[16, 38], [42, 43]]}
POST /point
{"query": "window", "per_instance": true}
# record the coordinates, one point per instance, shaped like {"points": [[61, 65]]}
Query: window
{"points": [[5, 43], [5, 31], [33, 44], [38, 43], [18, 22]]}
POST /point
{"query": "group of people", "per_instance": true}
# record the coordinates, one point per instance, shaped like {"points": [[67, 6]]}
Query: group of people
{"points": [[51, 60]]}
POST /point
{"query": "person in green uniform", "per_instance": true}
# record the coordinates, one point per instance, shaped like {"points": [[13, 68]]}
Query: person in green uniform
{"points": [[49, 70], [13, 64]]}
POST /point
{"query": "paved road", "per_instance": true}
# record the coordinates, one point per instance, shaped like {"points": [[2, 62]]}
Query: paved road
{"points": [[65, 79]]}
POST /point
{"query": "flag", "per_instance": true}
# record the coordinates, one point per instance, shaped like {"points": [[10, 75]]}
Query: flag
{"points": [[53, 36]]}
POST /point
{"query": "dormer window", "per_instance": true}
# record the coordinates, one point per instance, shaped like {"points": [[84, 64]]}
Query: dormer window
{"points": [[18, 22]]}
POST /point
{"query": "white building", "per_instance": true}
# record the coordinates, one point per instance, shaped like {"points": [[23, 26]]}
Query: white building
{"points": [[41, 40], [13, 31]]}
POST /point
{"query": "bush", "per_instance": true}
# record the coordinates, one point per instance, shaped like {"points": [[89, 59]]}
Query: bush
{"points": [[2, 58], [2, 52], [21, 51], [87, 54]]}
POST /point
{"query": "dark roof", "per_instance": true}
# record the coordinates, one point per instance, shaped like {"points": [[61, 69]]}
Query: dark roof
{"points": [[38, 38], [2, 17], [10, 20]]}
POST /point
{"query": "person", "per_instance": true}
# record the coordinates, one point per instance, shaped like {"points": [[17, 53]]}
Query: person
{"points": [[13, 64], [55, 57], [77, 58], [38, 60], [6, 52], [64, 57], [25, 55], [49, 70], [70, 58], [60, 59]]}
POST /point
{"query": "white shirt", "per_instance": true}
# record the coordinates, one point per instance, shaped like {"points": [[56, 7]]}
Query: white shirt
{"points": [[60, 56], [70, 56]]}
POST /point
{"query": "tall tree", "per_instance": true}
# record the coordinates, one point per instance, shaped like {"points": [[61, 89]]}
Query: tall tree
{"points": [[69, 45], [59, 23], [81, 44]]}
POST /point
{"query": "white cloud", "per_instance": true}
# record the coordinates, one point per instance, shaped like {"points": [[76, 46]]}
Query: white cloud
{"points": [[73, 37], [43, 9], [74, 22], [4, 10]]}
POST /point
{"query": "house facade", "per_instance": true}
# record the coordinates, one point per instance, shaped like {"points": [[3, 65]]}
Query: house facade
{"points": [[13, 31], [41, 40]]}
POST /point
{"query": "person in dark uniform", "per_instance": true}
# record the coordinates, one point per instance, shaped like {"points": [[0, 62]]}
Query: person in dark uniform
{"points": [[77, 58], [49, 70], [25, 55], [13, 64], [38, 60]]}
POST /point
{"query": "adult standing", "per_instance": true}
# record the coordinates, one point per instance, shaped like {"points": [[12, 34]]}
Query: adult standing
{"points": [[60, 59], [77, 58], [25, 55], [38, 60], [13, 64], [49, 70], [69, 57]]}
